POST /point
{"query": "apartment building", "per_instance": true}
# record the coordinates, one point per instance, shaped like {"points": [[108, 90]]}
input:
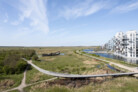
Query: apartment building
{"points": [[124, 44]]}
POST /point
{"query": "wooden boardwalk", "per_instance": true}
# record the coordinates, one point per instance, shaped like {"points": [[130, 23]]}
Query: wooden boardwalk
{"points": [[75, 75]]}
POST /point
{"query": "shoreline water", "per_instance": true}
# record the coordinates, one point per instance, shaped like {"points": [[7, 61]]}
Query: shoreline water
{"points": [[114, 56]]}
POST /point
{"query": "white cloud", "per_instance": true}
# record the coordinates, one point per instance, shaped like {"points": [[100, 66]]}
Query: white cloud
{"points": [[6, 18], [126, 7], [5, 21], [85, 8], [15, 23], [33, 11], [22, 32]]}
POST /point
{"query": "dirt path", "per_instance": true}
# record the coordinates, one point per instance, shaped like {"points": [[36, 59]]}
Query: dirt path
{"points": [[26, 85], [23, 83]]}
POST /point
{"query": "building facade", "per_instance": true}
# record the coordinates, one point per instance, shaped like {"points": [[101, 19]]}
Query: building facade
{"points": [[125, 45]]}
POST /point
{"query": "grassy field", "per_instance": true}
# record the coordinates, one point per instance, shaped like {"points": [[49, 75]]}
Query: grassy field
{"points": [[10, 81], [70, 62], [14, 91], [120, 84], [79, 64], [34, 75]]}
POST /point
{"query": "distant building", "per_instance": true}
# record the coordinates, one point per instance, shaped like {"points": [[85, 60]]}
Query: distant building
{"points": [[124, 44]]}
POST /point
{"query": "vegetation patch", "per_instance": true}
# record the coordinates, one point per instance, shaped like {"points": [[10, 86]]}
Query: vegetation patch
{"points": [[11, 61], [71, 63], [6, 83], [112, 60], [14, 91], [10, 81], [108, 84], [34, 75], [12, 66]]}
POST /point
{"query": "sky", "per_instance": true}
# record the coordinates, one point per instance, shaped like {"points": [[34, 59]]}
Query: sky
{"points": [[65, 22]]}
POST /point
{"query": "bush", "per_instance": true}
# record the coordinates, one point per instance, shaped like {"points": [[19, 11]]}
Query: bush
{"points": [[11, 61], [83, 68], [35, 57], [21, 66], [6, 69], [1, 69]]}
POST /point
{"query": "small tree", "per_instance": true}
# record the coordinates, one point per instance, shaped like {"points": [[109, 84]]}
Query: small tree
{"points": [[35, 57]]}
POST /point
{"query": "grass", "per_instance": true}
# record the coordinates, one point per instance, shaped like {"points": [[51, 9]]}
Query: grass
{"points": [[120, 84], [50, 89], [119, 61], [34, 75], [64, 64], [76, 64], [14, 91], [71, 62], [122, 69], [113, 60], [16, 79]]}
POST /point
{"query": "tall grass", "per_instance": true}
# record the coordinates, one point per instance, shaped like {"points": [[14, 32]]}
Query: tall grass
{"points": [[15, 77], [34, 75], [120, 84]]}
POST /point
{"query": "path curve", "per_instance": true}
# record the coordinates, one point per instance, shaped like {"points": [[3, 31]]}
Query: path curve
{"points": [[23, 84], [76, 75]]}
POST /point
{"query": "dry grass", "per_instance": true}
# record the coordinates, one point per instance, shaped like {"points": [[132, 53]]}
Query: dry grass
{"points": [[120, 84], [34, 75], [10, 81], [6, 83], [70, 62], [48, 58], [90, 62]]}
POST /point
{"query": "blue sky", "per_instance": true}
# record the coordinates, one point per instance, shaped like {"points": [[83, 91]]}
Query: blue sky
{"points": [[65, 22]]}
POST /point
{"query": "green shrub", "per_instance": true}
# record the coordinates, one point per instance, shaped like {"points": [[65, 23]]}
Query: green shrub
{"points": [[11, 61], [35, 57], [83, 68]]}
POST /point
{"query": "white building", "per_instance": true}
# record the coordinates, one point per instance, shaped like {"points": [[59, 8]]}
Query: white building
{"points": [[132, 43], [125, 45]]}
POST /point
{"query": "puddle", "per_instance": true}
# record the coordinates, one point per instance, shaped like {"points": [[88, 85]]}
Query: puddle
{"points": [[112, 68], [62, 54]]}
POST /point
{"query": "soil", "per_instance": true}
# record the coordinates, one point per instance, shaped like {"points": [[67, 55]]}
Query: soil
{"points": [[75, 83], [6, 83]]}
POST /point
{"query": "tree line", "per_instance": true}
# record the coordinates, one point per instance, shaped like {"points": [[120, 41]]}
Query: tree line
{"points": [[11, 61]]}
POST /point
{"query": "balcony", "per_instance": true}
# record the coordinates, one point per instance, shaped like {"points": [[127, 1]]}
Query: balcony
{"points": [[131, 41], [130, 48], [124, 39], [124, 44]]}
